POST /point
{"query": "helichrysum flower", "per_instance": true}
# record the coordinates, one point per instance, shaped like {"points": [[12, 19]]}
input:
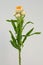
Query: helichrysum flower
{"points": [[18, 40], [19, 8], [23, 12], [18, 15], [19, 12]]}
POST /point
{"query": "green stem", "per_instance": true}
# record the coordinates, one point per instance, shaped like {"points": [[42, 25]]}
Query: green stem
{"points": [[19, 57]]}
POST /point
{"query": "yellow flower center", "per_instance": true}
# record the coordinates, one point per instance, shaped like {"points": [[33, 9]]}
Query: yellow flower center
{"points": [[19, 8]]}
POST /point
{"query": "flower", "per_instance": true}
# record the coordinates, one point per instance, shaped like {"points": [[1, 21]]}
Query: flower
{"points": [[19, 8], [18, 15], [19, 12], [23, 12]]}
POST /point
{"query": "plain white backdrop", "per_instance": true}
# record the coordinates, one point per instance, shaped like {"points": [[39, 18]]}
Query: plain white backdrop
{"points": [[32, 53]]}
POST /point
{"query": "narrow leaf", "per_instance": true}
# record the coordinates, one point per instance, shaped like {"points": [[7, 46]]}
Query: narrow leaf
{"points": [[14, 26], [30, 31], [27, 23], [12, 36], [14, 41], [11, 20], [24, 40], [28, 34], [35, 33]]}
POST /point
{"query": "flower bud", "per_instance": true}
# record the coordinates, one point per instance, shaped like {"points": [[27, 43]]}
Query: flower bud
{"points": [[17, 15], [23, 12]]}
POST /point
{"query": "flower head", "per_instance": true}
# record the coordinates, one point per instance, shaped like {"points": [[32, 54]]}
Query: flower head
{"points": [[17, 15], [19, 8], [23, 12], [19, 12]]}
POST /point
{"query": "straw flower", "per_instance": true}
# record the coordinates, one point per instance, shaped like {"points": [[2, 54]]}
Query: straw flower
{"points": [[18, 15], [23, 12], [19, 8], [19, 12], [17, 40]]}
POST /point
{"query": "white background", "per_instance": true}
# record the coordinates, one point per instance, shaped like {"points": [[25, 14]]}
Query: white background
{"points": [[32, 53]]}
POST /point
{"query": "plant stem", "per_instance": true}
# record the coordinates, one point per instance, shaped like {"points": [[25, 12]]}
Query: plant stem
{"points": [[19, 57]]}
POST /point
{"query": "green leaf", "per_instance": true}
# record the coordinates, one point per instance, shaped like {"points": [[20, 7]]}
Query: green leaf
{"points": [[14, 26], [11, 20], [35, 33], [14, 45], [12, 36], [13, 42], [27, 23], [30, 31], [28, 34], [24, 39]]}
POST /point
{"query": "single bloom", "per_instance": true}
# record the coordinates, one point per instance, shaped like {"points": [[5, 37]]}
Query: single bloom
{"points": [[19, 12], [23, 12], [17, 15], [19, 8]]}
